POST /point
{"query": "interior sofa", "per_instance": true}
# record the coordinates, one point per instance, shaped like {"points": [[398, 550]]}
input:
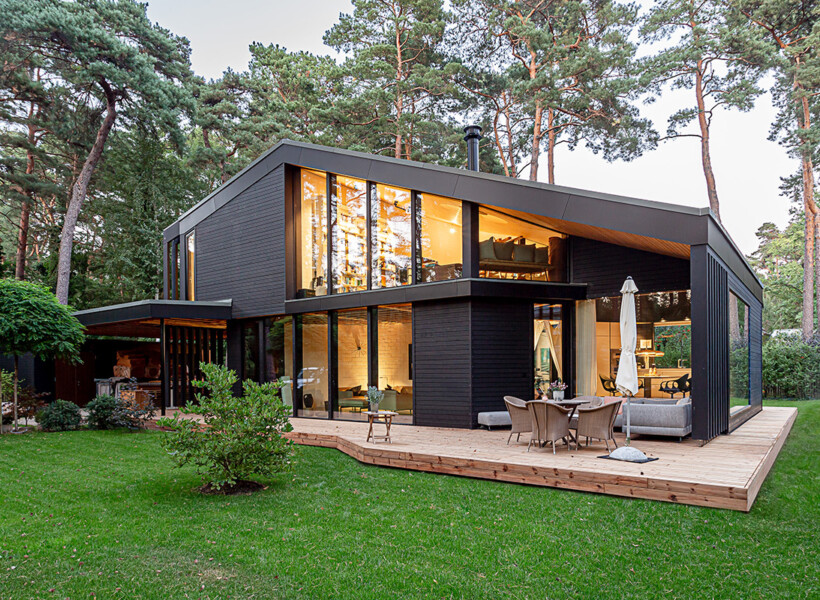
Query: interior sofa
{"points": [[518, 257], [657, 417]]}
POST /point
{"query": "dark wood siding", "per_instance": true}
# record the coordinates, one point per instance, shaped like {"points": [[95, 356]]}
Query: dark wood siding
{"points": [[240, 250], [502, 341], [604, 267], [710, 345], [442, 385]]}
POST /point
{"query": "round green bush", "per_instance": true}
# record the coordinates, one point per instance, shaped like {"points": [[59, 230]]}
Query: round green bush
{"points": [[60, 415], [103, 412]]}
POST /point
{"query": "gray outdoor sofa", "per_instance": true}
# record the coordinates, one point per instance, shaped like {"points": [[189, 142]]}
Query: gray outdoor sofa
{"points": [[658, 417]]}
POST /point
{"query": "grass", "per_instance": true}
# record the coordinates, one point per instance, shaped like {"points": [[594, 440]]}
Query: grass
{"points": [[104, 514]]}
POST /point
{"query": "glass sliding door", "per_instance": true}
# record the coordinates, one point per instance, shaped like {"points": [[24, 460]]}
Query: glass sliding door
{"points": [[390, 236], [395, 352], [312, 380], [348, 208], [739, 396], [352, 356], [311, 235], [548, 345], [278, 332]]}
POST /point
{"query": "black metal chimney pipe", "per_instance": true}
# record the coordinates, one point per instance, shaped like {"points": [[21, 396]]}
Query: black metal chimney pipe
{"points": [[473, 134]]}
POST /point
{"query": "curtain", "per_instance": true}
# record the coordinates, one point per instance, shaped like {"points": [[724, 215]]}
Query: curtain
{"points": [[587, 376]]}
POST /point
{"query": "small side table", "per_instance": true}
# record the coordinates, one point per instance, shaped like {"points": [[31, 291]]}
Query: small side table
{"points": [[383, 416]]}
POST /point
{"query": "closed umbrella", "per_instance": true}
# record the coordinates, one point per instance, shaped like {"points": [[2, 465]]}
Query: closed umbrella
{"points": [[626, 381]]}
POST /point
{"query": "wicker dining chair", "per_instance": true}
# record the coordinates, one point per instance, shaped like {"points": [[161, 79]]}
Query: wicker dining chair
{"points": [[519, 416], [598, 423], [550, 423]]}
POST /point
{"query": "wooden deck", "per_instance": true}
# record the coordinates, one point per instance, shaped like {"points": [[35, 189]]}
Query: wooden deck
{"points": [[725, 473]]}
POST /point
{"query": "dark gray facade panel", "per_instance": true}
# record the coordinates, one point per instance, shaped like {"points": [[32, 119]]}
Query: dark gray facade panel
{"points": [[240, 250], [442, 386], [502, 353], [604, 267]]}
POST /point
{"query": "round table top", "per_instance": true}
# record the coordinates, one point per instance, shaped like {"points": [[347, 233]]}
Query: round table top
{"points": [[380, 413]]}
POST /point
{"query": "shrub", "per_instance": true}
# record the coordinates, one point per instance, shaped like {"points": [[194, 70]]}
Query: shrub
{"points": [[241, 437], [791, 368], [60, 415], [107, 412]]}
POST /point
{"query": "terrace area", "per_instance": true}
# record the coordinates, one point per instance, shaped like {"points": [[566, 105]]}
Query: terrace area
{"points": [[725, 473]]}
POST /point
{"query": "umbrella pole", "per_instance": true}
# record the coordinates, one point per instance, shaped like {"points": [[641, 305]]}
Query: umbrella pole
{"points": [[628, 425]]}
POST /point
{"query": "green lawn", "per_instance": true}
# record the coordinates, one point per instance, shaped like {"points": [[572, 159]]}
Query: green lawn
{"points": [[105, 514]]}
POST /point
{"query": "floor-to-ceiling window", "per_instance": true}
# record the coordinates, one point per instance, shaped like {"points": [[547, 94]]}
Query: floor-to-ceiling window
{"points": [[349, 221], [548, 345], [390, 231], [514, 248], [311, 261], [190, 248], [278, 335], [395, 366], [739, 396], [440, 243], [352, 364], [663, 350], [312, 380]]}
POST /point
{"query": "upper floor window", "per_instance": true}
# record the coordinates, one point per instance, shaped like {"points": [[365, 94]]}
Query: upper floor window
{"points": [[311, 245], [391, 241], [190, 247], [514, 248], [348, 209], [440, 240]]}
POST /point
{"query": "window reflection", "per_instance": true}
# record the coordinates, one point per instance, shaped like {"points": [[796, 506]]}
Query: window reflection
{"points": [[312, 233], [739, 396], [512, 248], [390, 236], [278, 335], [440, 237], [349, 215]]}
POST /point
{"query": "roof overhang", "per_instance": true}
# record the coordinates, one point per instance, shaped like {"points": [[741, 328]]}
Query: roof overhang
{"points": [[144, 318]]}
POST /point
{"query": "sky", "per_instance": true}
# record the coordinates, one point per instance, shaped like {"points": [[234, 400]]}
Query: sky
{"points": [[748, 168]]}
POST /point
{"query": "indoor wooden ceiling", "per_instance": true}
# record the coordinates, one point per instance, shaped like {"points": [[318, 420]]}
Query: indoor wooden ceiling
{"points": [[630, 240]]}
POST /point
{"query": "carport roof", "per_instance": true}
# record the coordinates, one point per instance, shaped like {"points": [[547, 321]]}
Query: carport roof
{"points": [[143, 318]]}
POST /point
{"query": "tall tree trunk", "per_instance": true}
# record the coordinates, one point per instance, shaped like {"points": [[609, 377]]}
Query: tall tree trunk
{"points": [[705, 156], [25, 211], [78, 195], [810, 208], [536, 140], [551, 145]]}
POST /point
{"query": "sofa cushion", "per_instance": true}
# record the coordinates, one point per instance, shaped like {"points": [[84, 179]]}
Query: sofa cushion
{"points": [[486, 249], [504, 250], [524, 253], [542, 256]]}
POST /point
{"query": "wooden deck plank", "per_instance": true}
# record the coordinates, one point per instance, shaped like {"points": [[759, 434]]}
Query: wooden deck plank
{"points": [[725, 473]]}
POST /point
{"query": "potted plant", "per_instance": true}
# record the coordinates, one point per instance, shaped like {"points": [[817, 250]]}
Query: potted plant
{"points": [[558, 388], [374, 397]]}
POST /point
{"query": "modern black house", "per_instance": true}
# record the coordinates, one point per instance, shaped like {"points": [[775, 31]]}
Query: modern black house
{"points": [[446, 288]]}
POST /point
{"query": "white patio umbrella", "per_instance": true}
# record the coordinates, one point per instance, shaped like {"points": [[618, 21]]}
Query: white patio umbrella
{"points": [[627, 379]]}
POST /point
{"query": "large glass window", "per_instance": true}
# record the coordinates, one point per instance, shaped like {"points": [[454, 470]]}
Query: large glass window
{"points": [[548, 346], [311, 259], [739, 396], [278, 332], [349, 217], [351, 395], [439, 237], [663, 351], [190, 245], [391, 244], [395, 341], [250, 350], [513, 248], [312, 380]]}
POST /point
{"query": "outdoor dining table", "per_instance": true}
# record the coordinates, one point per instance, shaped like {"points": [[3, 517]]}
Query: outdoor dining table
{"points": [[573, 404]]}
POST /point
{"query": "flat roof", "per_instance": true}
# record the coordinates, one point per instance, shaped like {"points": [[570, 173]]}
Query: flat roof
{"points": [[153, 310]]}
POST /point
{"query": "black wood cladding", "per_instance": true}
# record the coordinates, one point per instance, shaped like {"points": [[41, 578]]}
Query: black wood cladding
{"points": [[442, 384], [240, 250], [502, 353], [604, 267]]}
